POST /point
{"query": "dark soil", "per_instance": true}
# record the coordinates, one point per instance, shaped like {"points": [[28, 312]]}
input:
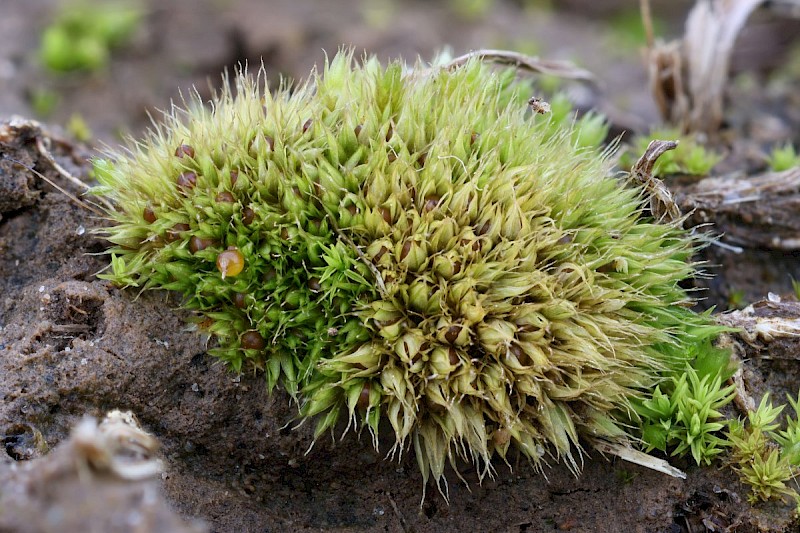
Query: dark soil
{"points": [[72, 345]]}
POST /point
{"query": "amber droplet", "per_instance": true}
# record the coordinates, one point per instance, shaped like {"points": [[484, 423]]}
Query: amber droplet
{"points": [[225, 198], [248, 216], [252, 340], [174, 233], [240, 300], [187, 181], [307, 124], [474, 137], [184, 150], [230, 262], [196, 244], [430, 203], [363, 397], [149, 215]]}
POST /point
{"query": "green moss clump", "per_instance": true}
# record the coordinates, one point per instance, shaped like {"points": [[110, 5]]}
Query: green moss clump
{"points": [[83, 34], [416, 247]]}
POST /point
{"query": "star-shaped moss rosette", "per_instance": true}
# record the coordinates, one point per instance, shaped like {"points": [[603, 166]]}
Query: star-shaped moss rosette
{"points": [[416, 247]]}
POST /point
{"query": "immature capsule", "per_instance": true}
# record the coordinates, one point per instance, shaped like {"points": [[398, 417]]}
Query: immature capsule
{"points": [[230, 262]]}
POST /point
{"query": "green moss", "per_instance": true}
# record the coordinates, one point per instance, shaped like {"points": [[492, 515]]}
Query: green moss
{"points": [[417, 247], [683, 415], [783, 158], [767, 460], [83, 34]]}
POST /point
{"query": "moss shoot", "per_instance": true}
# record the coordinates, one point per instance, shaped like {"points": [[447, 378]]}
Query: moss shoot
{"points": [[413, 247]]}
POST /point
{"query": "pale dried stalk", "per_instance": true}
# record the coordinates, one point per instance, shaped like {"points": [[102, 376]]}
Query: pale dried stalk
{"points": [[688, 77]]}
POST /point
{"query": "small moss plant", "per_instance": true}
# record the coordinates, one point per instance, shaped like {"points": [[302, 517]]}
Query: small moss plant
{"points": [[783, 158], [766, 459], [417, 247], [686, 416], [83, 34]]}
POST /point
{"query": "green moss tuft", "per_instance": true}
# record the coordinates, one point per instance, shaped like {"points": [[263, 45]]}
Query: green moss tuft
{"points": [[418, 248]]}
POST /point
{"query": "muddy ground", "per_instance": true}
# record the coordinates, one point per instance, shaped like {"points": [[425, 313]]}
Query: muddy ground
{"points": [[72, 345]]}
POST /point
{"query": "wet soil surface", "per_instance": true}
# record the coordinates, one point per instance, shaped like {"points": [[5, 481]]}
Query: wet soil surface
{"points": [[72, 345]]}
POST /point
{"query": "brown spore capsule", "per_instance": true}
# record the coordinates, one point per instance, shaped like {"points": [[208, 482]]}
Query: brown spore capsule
{"points": [[149, 215], [389, 133], [451, 335], [314, 284], [187, 181], [184, 150], [225, 198], [363, 397], [248, 216], [386, 214], [234, 177], [452, 356], [269, 274], [392, 157], [380, 254], [430, 203], [230, 262], [405, 250], [174, 233], [307, 124], [270, 142], [357, 129], [252, 340], [197, 243], [474, 137], [239, 300]]}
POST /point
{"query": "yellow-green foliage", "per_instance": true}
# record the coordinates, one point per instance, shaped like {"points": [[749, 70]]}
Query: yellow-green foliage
{"points": [[783, 158], [415, 247]]}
